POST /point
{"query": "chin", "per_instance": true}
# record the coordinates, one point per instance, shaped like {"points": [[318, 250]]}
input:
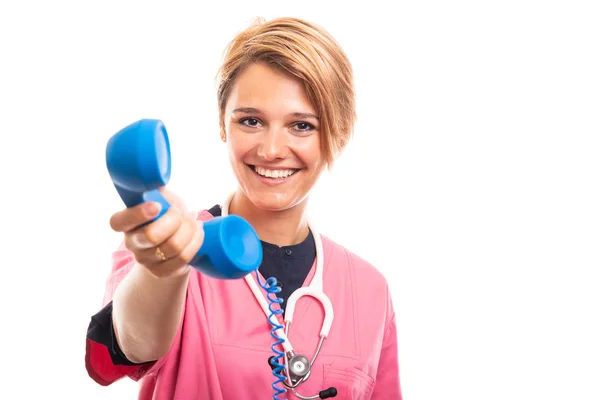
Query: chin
{"points": [[274, 201]]}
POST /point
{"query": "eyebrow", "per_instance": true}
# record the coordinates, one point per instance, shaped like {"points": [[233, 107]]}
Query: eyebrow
{"points": [[251, 110]]}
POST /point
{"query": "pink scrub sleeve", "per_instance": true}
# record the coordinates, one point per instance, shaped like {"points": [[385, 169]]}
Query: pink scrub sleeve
{"points": [[387, 382], [98, 362]]}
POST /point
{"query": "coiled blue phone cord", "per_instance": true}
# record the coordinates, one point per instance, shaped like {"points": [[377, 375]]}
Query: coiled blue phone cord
{"points": [[271, 287]]}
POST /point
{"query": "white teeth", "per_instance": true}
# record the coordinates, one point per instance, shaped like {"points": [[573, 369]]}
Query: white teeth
{"points": [[274, 173]]}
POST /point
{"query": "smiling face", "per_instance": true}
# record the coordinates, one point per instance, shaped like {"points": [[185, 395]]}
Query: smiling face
{"points": [[272, 131]]}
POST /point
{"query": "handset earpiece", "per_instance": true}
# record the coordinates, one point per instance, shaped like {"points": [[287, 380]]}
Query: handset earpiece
{"points": [[138, 159]]}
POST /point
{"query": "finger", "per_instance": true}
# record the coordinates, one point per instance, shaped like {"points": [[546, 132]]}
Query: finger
{"points": [[173, 199], [155, 233], [171, 247], [183, 258], [130, 218]]}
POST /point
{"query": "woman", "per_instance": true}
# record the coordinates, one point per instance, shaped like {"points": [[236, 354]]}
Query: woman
{"points": [[286, 105]]}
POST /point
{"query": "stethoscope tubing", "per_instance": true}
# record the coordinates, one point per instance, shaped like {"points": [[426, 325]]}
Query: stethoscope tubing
{"points": [[314, 289]]}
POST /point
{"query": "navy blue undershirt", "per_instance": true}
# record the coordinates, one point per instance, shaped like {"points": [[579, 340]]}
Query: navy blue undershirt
{"points": [[290, 265]]}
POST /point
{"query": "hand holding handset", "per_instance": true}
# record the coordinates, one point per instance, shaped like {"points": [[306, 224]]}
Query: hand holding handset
{"points": [[138, 159]]}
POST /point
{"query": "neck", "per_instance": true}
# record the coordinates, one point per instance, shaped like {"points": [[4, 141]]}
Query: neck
{"points": [[282, 228]]}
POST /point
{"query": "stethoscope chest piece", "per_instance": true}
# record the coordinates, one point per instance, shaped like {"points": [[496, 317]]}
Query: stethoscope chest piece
{"points": [[299, 366]]}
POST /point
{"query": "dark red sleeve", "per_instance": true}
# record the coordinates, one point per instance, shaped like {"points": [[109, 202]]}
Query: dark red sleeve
{"points": [[105, 362]]}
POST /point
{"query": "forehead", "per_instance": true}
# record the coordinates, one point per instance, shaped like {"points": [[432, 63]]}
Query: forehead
{"points": [[270, 90]]}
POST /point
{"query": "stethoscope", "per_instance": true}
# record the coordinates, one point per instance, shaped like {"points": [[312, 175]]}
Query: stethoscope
{"points": [[297, 367]]}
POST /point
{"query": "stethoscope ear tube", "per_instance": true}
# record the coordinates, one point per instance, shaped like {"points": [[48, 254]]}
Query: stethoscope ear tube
{"points": [[323, 299], [327, 393]]}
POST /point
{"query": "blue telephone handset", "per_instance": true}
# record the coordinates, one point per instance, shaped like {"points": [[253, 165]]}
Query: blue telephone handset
{"points": [[138, 159]]}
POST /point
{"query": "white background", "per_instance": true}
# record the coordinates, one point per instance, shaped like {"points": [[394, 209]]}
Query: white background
{"points": [[472, 182]]}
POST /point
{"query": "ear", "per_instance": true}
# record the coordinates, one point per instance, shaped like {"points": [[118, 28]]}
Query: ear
{"points": [[223, 136]]}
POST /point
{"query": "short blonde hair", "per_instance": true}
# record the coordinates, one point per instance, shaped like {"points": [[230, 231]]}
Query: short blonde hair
{"points": [[307, 52]]}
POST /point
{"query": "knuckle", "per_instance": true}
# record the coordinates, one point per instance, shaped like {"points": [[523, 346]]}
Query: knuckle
{"points": [[181, 259], [151, 238], [138, 216], [171, 220], [177, 243], [157, 232], [188, 254]]}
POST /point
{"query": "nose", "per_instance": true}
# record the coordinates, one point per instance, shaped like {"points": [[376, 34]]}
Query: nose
{"points": [[273, 144]]}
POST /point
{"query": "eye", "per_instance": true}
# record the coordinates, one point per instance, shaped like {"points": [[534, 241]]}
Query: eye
{"points": [[303, 127], [250, 122]]}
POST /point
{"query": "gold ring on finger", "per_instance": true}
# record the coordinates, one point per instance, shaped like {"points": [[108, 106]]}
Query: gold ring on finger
{"points": [[159, 254]]}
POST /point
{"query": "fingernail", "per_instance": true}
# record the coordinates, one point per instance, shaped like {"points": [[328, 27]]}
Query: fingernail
{"points": [[139, 240], [152, 208]]}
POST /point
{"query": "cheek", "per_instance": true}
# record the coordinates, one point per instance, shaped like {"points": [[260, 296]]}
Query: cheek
{"points": [[238, 148], [235, 153], [312, 156]]}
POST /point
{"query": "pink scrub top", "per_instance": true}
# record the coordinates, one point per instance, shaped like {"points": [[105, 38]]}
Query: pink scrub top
{"points": [[223, 345]]}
